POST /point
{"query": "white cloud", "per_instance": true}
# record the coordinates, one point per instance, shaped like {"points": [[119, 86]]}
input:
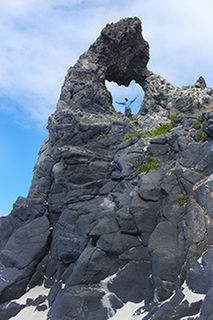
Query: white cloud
{"points": [[41, 39], [179, 34], [36, 53]]}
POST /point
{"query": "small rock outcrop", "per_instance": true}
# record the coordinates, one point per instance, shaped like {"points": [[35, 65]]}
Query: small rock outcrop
{"points": [[118, 210]]}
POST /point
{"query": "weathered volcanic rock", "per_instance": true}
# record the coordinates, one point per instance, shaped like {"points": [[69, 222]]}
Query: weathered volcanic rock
{"points": [[167, 258], [200, 274], [110, 219], [78, 303], [162, 97], [8, 311], [22, 252], [130, 286], [207, 307]]}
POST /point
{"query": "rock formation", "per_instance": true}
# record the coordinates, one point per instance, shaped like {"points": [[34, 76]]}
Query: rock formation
{"points": [[118, 210]]}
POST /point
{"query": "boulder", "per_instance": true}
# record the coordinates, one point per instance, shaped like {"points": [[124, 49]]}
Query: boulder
{"points": [[200, 274], [23, 251], [13, 283], [203, 193], [7, 311], [132, 283], [205, 162], [207, 306], [149, 185], [117, 243], [195, 222], [78, 303], [26, 245], [167, 257], [190, 156], [6, 229], [92, 266]]}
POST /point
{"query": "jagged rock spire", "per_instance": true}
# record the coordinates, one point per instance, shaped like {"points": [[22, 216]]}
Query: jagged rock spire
{"points": [[140, 209], [120, 54]]}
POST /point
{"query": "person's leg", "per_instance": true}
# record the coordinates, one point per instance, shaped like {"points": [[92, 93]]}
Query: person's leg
{"points": [[128, 112]]}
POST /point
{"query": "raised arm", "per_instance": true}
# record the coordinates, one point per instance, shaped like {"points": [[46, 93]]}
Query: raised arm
{"points": [[123, 103], [133, 100]]}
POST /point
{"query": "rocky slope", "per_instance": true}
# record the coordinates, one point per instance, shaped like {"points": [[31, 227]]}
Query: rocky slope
{"points": [[118, 210]]}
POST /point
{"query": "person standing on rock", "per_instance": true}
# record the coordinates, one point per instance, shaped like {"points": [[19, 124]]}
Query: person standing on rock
{"points": [[127, 103]]}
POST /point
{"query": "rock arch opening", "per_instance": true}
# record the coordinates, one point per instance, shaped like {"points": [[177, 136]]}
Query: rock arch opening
{"points": [[119, 93]]}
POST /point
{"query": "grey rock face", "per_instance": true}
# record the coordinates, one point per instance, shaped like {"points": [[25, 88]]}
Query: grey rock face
{"points": [[167, 257], [130, 286], [80, 303], [195, 222], [161, 96], [203, 193], [207, 307], [11, 310], [13, 283], [112, 58], [108, 221], [22, 252], [26, 244], [205, 161]]}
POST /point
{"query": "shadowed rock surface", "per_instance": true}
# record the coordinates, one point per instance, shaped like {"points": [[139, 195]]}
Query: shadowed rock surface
{"points": [[110, 219]]}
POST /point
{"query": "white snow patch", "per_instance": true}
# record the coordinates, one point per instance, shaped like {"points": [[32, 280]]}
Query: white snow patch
{"points": [[200, 260], [106, 298], [191, 296], [108, 204], [187, 317], [31, 312], [127, 312]]}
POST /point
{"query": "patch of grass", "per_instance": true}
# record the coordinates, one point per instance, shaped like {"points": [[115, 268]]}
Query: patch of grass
{"points": [[133, 119], [146, 134], [201, 136], [139, 134], [183, 199], [39, 196], [129, 135], [175, 120], [200, 118], [148, 164], [168, 86], [197, 124], [135, 162], [162, 129]]}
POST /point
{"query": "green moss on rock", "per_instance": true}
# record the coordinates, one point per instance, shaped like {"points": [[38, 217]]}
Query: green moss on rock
{"points": [[148, 164], [183, 199], [161, 129]]}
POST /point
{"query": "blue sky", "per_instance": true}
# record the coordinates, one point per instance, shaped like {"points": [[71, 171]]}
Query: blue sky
{"points": [[41, 39]]}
